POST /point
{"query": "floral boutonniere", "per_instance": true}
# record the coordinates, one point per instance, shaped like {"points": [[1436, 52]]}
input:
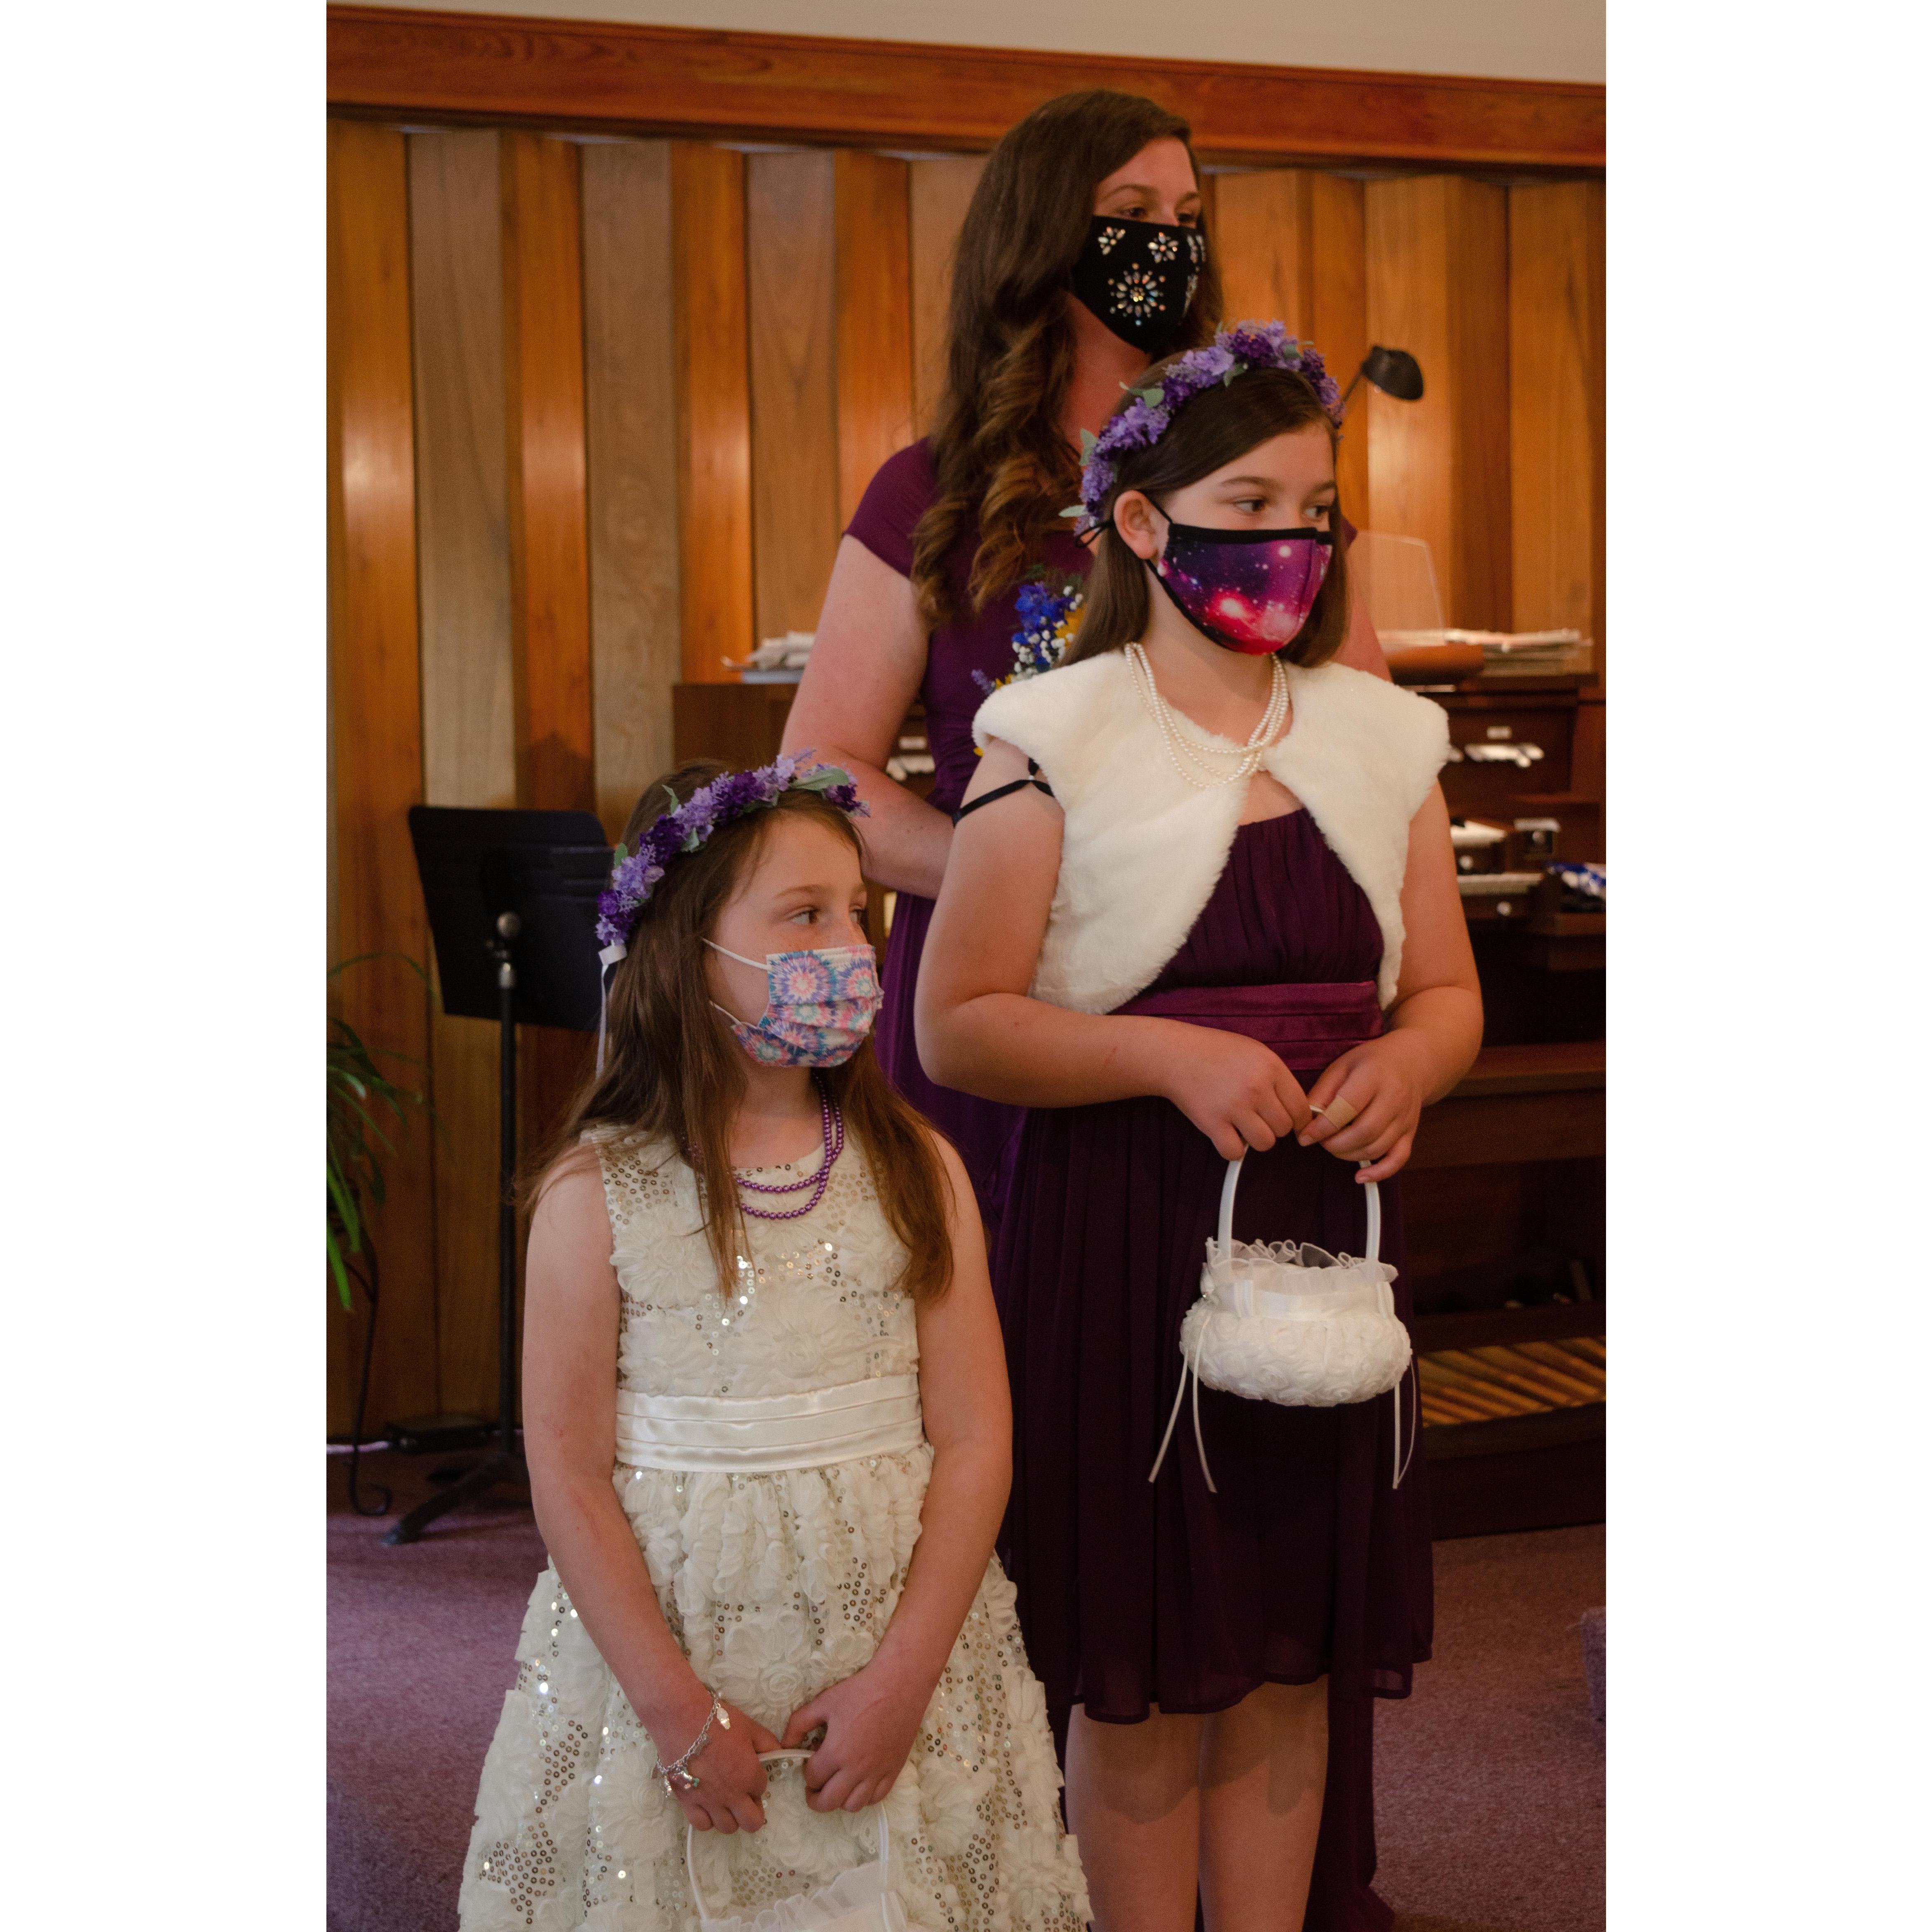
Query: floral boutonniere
{"points": [[1049, 618]]}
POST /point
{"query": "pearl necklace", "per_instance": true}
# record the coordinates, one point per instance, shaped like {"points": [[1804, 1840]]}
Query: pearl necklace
{"points": [[1179, 745]]}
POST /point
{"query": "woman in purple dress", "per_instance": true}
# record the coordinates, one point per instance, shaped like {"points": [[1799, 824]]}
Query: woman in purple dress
{"points": [[1081, 258], [1201, 903]]}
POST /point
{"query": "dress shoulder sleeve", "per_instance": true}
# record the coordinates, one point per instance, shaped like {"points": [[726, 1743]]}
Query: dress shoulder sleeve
{"points": [[637, 1172], [900, 493]]}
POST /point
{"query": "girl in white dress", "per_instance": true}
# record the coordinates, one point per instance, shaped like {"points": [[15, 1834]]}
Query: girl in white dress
{"points": [[768, 1433]]}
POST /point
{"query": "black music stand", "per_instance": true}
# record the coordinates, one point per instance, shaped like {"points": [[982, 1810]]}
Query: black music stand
{"points": [[512, 900]]}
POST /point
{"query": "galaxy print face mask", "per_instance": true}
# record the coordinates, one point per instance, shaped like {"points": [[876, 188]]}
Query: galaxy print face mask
{"points": [[1250, 591], [1138, 277]]}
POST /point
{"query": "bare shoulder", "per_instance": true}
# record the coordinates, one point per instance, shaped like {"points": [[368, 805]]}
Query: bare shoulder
{"points": [[571, 1217], [1000, 764], [956, 1176], [963, 1203]]}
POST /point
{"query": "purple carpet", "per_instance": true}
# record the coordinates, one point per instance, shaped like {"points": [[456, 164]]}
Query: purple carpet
{"points": [[1490, 1779]]}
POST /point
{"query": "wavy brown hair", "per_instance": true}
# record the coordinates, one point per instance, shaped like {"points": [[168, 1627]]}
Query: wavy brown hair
{"points": [[673, 1072], [1208, 431], [998, 449]]}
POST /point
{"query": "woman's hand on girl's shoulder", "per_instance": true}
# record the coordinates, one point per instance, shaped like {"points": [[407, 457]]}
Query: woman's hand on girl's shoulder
{"points": [[1238, 1092]]}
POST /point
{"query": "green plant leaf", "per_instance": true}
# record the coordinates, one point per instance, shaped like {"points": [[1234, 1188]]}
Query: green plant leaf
{"points": [[359, 1094], [339, 1271]]}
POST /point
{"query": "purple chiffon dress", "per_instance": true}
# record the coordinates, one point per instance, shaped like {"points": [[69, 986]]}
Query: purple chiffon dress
{"points": [[1316, 1568], [897, 497], [1307, 1561]]}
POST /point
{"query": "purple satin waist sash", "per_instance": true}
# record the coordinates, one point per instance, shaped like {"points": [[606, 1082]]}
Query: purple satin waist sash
{"points": [[1307, 1025]]}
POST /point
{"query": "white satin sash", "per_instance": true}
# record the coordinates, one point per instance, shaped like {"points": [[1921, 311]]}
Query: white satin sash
{"points": [[756, 1435]]}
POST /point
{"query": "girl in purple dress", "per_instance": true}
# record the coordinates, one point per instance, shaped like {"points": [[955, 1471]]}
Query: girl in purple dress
{"points": [[1081, 258], [1210, 907]]}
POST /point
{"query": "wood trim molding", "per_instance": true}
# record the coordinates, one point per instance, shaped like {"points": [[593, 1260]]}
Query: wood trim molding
{"points": [[603, 76]]}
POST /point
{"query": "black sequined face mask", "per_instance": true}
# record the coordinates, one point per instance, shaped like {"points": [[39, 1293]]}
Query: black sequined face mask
{"points": [[1138, 277]]}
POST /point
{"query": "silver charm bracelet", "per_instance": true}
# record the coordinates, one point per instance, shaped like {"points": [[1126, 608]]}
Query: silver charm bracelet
{"points": [[679, 1777]]}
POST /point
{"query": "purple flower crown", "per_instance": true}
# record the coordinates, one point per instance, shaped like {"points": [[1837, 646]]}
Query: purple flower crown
{"points": [[634, 875], [1247, 345]]}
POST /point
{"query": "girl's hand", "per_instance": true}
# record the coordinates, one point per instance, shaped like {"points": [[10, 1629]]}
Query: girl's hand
{"points": [[1233, 1088], [870, 1722], [730, 1780], [1367, 1104]]}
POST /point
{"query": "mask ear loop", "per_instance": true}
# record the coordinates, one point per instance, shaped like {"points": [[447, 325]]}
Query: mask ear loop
{"points": [[607, 958]]}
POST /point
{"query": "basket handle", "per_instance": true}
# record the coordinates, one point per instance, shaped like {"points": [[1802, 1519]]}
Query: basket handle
{"points": [[1224, 1234], [1224, 1239], [767, 1757]]}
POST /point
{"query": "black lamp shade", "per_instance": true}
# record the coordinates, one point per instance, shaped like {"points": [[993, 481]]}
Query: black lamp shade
{"points": [[1395, 372]]}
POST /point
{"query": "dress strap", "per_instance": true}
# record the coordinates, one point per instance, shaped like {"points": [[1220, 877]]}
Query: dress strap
{"points": [[1033, 778]]}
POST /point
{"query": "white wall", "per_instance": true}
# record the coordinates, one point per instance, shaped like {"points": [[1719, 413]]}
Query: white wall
{"points": [[1527, 40]]}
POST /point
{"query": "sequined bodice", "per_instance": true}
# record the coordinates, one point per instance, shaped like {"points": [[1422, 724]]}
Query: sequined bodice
{"points": [[813, 1305]]}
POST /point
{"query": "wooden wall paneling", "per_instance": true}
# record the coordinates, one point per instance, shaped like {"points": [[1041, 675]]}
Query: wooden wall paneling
{"points": [[456, 268], [697, 81], [711, 332], [875, 316], [1556, 405], [1437, 277], [1210, 185], [549, 563], [791, 243], [938, 192], [1261, 234], [632, 414], [1336, 312], [549, 541], [470, 751], [376, 731], [1291, 247]]}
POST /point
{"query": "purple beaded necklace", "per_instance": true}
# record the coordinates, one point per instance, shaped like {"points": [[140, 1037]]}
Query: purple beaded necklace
{"points": [[832, 1123]]}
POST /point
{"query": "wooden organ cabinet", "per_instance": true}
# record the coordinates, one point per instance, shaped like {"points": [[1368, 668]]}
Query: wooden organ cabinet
{"points": [[1503, 1196]]}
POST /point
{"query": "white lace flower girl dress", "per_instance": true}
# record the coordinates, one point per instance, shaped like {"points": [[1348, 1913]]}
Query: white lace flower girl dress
{"points": [[777, 1514]]}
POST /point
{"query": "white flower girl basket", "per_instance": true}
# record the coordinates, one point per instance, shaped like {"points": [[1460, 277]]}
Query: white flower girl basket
{"points": [[859, 1901], [1288, 1322]]}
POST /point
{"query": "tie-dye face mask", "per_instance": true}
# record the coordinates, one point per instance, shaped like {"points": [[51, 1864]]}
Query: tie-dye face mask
{"points": [[819, 1007], [1250, 591]]}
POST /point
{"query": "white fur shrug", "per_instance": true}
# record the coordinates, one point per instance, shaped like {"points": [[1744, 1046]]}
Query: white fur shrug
{"points": [[1142, 849]]}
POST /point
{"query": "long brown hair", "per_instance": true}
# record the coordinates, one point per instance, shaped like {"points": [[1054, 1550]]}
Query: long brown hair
{"points": [[998, 450], [1209, 430], [673, 1072]]}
